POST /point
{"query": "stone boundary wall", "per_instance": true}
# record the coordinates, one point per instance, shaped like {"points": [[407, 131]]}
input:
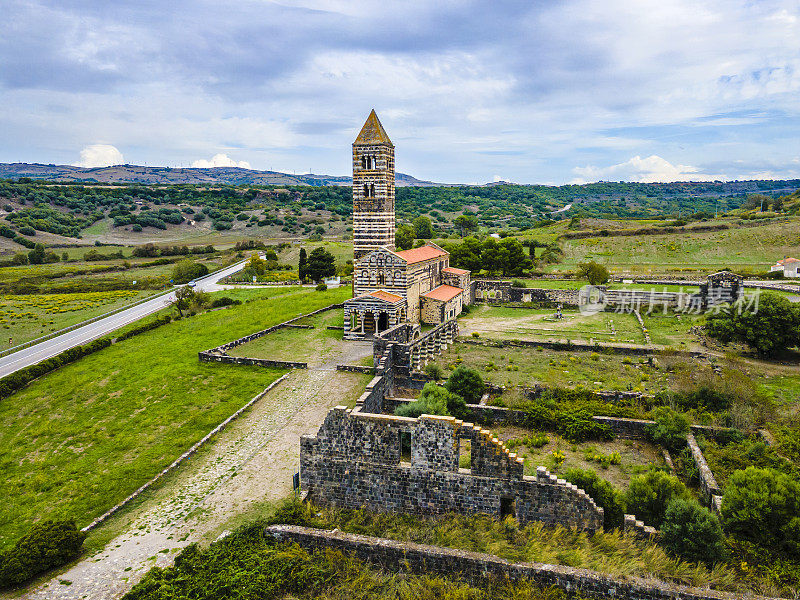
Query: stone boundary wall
{"points": [[255, 362], [254, 336], [495, 291], [633, 526], [708, 485], [356, 369], [476, 567], [581, 235], [177, 462], [575, 346], [357, 459], [780, 287]]}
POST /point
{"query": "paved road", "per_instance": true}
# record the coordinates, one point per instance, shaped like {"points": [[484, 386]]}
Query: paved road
{"points": [[87, 333]]}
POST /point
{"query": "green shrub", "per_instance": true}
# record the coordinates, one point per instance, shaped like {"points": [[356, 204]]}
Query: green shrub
{"points": [[321, 287], [763, 506], [670, 428], [187, 269], [47, 545], [145, 327], [224, 301], [692, 532], [434, 400], [649, 495], [467, 383], [605, 495], [434, 371]]}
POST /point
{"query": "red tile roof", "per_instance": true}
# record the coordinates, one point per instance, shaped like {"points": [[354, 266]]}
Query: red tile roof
{"points": [[385, 296], [787, 261], [455, 271], [420, 254], [443, 293]]}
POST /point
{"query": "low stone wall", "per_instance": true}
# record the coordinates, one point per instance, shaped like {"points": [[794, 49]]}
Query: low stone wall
{"points": [[708, 485], [578, 347], [356, 369], [357, 459], [254, 362], [190, 452], [254, 336], [475, 567], [499, 292]]}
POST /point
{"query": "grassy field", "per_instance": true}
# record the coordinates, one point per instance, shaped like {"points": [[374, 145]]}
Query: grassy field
{"points": [[528, 366], [26, 317], [754, 248], [539, 324], [307, 345], [635, 455], [80, 439]]}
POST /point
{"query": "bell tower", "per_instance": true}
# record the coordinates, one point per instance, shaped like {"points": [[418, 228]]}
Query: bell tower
{"points": [[373, 189]]}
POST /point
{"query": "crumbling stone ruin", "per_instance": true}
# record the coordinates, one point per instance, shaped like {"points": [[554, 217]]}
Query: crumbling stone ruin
{"points": [[390, 463]]}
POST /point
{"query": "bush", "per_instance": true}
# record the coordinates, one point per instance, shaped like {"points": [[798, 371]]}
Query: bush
{"points": [[47, 545], [649, 495], [517, 283], [434, 371], [145, 327], [224, 301], [771, 329], [186, 270], [670, 428], [763, 506], [692, 532], [466, 383], [321, 287], [605, 495], [434, 400]]}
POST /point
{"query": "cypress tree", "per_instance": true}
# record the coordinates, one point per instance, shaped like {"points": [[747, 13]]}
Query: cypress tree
{"points": [[302, 266]]}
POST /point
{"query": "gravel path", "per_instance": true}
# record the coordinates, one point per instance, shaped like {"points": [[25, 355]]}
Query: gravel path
{"points": [[251, 462]]}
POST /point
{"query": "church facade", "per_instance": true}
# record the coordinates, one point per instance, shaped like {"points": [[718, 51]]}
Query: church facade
{"points": [[392, 287]]}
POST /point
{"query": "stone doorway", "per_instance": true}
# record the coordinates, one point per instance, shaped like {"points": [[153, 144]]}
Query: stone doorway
{"points": [[369, 323], [383, 322]]}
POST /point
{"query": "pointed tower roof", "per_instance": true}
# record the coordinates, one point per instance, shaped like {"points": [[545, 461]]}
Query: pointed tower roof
{"points": [[372, 132]]}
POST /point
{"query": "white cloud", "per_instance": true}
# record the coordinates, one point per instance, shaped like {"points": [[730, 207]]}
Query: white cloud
{"points": [[644, 170], [100, 155], [220, 160]]}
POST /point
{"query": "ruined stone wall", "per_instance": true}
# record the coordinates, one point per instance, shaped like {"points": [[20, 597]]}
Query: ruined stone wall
{"points": [[476, 567], [497, 291], [354, 461]]}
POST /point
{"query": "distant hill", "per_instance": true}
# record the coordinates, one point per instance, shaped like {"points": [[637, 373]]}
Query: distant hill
{"points": [[170, 175]]}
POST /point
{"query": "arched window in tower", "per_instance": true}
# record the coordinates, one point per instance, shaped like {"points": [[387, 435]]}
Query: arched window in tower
{"points": [[366, 190], [381, 278], [363, 162], [372, 190]]}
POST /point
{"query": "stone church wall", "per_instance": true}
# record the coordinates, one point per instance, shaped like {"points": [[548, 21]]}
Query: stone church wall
{"points": [[355, 460]]}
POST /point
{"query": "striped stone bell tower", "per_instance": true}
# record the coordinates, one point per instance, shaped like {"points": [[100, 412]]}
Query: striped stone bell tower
{"points": [[373, 189]]}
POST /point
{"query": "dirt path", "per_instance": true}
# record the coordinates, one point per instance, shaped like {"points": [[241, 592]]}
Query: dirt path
{"points": [[249, 464]]}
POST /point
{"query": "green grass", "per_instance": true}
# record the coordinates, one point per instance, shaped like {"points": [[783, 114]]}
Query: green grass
{"points": [[79, 440], [636, 455], [306, 345], [539, 324], [528, 366], [671, 329], [755, 248], [607, 552], [28, 316]]}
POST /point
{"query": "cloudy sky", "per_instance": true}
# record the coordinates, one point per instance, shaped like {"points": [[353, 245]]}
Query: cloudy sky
{"points": [[529, 91]]}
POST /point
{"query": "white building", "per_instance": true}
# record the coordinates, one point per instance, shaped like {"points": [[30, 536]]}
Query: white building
{"points": [[789, 266]]}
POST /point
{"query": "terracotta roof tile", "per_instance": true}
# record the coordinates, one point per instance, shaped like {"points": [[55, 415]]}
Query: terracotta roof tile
{"points": [[385, 296], [787, 261], [420, 254], [455, 271], [443, 293]]}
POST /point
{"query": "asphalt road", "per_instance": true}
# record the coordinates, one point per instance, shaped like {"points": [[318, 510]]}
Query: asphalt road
{"points": [[87, 333]]}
